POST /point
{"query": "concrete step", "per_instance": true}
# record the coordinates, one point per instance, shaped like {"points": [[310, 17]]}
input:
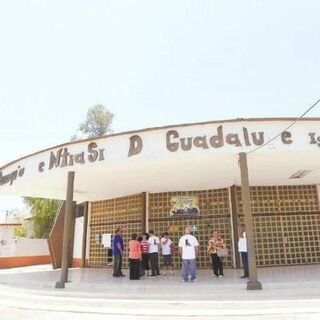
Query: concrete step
{"points": [[57, 300]]}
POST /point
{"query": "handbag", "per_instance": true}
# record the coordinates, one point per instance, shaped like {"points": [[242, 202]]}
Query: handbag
{"points": [[222, 252]]}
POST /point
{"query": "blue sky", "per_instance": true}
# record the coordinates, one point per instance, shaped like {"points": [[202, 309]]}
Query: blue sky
{"points": [[152, 63]]}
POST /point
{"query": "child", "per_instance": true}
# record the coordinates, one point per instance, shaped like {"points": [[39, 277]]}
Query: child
{"points": [[166, 245]]}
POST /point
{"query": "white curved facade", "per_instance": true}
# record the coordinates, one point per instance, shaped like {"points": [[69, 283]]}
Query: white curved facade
{"points": [[183, 157]]}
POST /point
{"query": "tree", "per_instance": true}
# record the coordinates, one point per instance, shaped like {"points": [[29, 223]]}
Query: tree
{"points": [[43, 212], [98, 121], [20, 231]]}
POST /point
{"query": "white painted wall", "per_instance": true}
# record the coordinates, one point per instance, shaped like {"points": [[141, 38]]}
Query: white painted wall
{"points": [[6, 232], [20, 247], [31, 247], [78, 233]]}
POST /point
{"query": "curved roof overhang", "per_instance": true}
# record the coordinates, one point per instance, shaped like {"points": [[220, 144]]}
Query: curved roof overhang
{"points": [[193, 156]]}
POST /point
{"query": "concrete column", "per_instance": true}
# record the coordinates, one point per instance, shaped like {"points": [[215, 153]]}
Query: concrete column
{"points": [[84, 235], [234, 226], [147, 212], [144, 212], [253, 283], [68, 216], [88, 234]]}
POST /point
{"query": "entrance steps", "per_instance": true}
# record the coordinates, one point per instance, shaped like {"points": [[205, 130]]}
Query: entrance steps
{"points": [[67, 301]]}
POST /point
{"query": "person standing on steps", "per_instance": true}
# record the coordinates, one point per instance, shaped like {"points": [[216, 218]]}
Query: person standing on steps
{"points": [[214, 244], [117, 253], [154, 246], [189, 247], [145, 253], [166, 247], [134, 257], [242, 248]]}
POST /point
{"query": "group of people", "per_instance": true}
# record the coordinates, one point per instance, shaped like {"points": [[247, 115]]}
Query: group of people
{"points": [[144, 254]]}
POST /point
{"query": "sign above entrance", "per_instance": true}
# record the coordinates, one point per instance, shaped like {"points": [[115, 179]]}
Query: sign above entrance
{"points": [[184, 206], [181, 157]]}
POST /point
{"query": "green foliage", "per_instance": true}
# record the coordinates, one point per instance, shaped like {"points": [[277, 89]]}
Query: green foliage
{"points": [[20, 231], [98, 121], [43, 212]]}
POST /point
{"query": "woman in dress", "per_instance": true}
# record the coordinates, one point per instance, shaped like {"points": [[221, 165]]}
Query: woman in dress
{"points": [[214, 244]]}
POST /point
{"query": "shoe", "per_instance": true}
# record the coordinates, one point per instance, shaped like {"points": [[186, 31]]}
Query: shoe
{"points": [[221, 276], [122, 275], [244, 276], [184, 280], [153, 276], [215, 277], [164, 273], [194, 280], [171, 272]]}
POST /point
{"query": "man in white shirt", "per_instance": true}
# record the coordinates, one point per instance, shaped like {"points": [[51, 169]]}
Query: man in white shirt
{"points": [[242, 248], [188, 247], [154, 246], [166, 247]]}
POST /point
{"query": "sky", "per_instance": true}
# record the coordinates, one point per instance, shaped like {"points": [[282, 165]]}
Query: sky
{"points": [[151, 63]]}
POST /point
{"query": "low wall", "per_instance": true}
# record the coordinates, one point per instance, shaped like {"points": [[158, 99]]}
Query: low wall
{"points": [[20, 252], [13, 262]]}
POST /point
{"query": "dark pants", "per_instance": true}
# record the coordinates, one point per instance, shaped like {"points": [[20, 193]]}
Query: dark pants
{"points": [[134, 269], [142, 272], [145, 261], [117, 265], [154, 261], [217, 265], [245, 262]]}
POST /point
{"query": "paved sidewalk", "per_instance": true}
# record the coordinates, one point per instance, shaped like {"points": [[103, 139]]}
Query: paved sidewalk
{"points": [[289, 293], [278, 283]]}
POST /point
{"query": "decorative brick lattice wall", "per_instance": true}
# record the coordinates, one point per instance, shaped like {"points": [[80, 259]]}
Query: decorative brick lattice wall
{"points": [[106, 216], [214, 215], [286, 224]]}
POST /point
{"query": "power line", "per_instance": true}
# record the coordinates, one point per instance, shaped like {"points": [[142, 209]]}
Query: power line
{"points": [[280, 133]]}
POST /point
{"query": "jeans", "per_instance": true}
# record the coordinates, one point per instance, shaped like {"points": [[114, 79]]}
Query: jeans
{"points": [[154, 262], [217, 265], [117, 265], [189, 268], [245, 262]]}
